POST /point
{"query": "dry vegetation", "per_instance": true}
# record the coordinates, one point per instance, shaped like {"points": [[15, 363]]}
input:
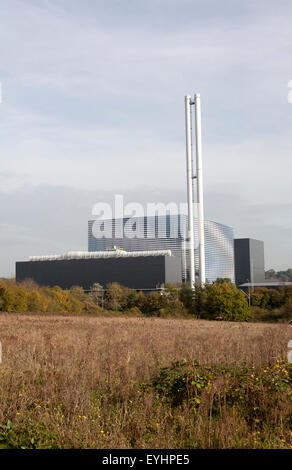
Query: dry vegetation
{"points": [[86, 382]]}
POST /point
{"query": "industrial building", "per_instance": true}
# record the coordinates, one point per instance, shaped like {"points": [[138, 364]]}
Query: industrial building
{"points": [[140, 262], [168, 233], [149, 263], [249, 261], [156, 249], [137, 270]]}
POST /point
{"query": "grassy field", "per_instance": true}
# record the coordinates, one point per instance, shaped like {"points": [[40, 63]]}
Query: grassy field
{"points": [[94, 382]]}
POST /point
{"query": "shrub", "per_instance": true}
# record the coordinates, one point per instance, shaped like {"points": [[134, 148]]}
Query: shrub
{"points": [[251, 391], [182, 381]]}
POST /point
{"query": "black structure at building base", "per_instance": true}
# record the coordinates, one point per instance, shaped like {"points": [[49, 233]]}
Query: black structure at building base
{"points": [[139, 273]]}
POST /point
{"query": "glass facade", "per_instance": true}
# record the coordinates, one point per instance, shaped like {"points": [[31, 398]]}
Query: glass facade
{"points": [[167, 233]]}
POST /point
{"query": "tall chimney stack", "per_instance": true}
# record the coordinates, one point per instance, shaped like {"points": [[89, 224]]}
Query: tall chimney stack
{"points": [[200, 200]]}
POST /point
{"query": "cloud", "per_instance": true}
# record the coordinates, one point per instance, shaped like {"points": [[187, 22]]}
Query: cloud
{"points": [[93, 102]]}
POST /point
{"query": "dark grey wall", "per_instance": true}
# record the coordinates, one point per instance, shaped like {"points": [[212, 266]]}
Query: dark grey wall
{"points": [[136, 273], [249, 260], [241, 261], [173, 272]]}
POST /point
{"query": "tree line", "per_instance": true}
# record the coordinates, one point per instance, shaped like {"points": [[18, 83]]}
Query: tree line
{"points": [[220, 300], [283, 276]]}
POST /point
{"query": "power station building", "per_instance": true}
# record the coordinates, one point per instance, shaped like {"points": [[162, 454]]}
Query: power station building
{"points": [[143, 253], [167, 232], [147, 252]]}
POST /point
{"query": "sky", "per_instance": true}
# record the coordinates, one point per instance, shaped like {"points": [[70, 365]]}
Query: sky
{"points": [[92, 105]]}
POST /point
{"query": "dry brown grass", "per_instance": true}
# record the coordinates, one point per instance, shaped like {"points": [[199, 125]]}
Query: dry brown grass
{"points": [[71, 381]]}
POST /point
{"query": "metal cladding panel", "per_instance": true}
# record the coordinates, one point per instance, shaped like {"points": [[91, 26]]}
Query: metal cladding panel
{"points": [[257, 257], [169, 232], [249, 261], [136, 273], [219, 251], [173, 274], [242, 261]]}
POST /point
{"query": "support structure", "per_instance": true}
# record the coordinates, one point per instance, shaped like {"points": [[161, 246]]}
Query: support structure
{"points": [[200, 199], [199, 178], [191, 244]]}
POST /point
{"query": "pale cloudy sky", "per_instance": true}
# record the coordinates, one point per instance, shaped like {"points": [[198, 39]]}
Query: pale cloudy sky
{"points": [[93, 105]]}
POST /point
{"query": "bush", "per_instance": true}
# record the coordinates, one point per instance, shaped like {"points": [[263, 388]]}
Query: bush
{"points": [[255, 394]]}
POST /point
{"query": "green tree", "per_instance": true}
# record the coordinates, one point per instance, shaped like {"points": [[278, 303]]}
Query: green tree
{"points": [[6, 298], [135, 300], [260, 297], [13, 297], [116, 297], [226, 301], [186, 296], [153, 303]]}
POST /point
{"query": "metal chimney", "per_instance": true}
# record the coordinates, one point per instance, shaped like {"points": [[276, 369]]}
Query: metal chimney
{"points": [[199, 177], [200, 199], [190, 237]]}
